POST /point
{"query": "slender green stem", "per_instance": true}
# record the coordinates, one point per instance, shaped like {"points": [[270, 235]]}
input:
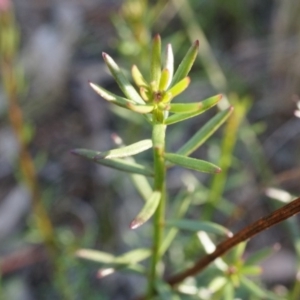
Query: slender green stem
{"points": [[158, 139]]}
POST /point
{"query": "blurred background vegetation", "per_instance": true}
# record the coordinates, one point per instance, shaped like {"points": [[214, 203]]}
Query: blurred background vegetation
{"points": [[52, 203]]}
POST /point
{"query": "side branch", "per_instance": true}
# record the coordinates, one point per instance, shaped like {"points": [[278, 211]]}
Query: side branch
{"points": [[248, 232]]}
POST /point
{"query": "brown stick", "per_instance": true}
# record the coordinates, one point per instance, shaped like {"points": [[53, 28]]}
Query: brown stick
{"points": [[248, 232]]}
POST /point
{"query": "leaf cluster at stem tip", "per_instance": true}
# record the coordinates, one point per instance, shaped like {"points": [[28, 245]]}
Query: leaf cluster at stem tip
{"points": [[153, 99]]}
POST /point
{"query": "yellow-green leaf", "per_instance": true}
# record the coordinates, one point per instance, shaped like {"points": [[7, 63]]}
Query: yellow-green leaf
{"points": [[147, 211], [156, 62], [206, 104], [186, 64]]}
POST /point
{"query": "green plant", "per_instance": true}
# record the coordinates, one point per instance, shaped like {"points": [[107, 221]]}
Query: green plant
{"points": [[154, 102]]}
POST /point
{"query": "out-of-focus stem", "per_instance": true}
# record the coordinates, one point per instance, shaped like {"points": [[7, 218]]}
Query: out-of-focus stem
{"points": [[10, 76]]}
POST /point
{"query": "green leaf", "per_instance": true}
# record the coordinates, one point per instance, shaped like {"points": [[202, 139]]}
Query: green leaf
{"points": [[205, 132], [136, 268], [256, 290], [217, 283], [98, 256], [147, 211], [186, 64], [121, 80], [125, 151], [133, 257], [195, 226], [169, 63], [251, 270], [179, 87], [210, 247], [192, 163], [138, 77], [228, 291], [156, 62], [184, 108], [129, 258], [206, 104], [110, 97], [142, 185], [118, 164], [259, 256], [164, 291], [164, 80], [145, 93], [141, 109]]}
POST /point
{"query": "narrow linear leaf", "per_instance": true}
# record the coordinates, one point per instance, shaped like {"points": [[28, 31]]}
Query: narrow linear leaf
{"points": [[141, 109], [156, 61], [192, 163], [119, 164], [205, 132], [206, 104], [125, 151], [228, 291], [256, 290], [98, 256], [251, 270], [147, 211], [142, 185], [133, 257], [145, 93], [164, 291], [179, 87], [217, 283], [164, 80], [210, 247], [186, 64], [260, 255], [136, 268], [138, 77], [129, 258], [184, 108], [169, 63], [195, 226], [110, 97], [121, 80]]}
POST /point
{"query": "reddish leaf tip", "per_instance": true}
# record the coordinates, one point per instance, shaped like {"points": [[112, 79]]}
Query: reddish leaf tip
{"points": [[136, 223], [197, 43], [104, 55], [218, 170], [74, 151], [157, 36], [231, 108]]}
